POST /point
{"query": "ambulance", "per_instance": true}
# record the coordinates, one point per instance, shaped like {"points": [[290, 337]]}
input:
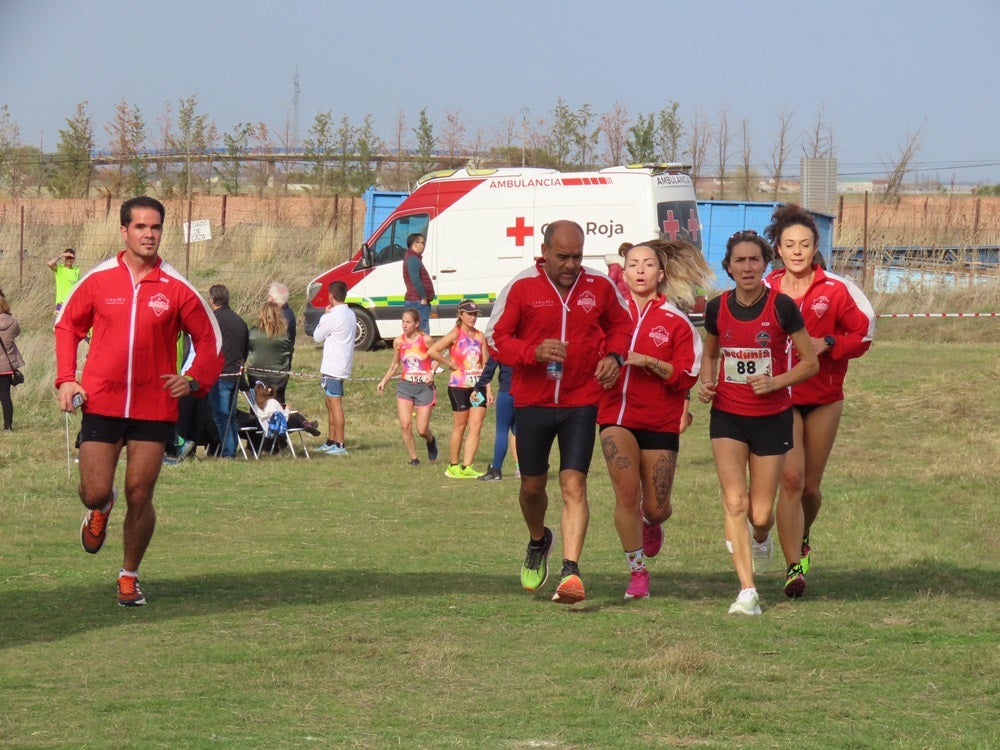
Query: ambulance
{"points": [[483, 226]]}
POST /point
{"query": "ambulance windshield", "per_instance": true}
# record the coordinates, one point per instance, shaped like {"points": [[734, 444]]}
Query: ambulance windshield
{"points": [[390, 245]]}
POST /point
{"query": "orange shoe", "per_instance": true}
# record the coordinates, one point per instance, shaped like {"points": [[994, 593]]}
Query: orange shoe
{"points": [[570, 590], [129, 593], [94, 529]]}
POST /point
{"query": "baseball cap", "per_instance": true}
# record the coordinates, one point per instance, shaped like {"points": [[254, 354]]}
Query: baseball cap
{"points": [[468, 306]]}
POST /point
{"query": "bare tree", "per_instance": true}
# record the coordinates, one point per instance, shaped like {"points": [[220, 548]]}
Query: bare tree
{"points": [[584, 138], [780, 150], [898, 170], [699, 137], [818, 142], [453, 135], [398, 180], [746, 154], [723, 142], [9, 147], [614, 126]]}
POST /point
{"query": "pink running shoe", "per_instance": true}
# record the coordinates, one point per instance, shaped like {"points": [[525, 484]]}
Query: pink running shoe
{"points": [[652, 538], [638, 587]]}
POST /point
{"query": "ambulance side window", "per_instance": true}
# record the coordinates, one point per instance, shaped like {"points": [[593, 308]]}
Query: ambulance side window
{"points": [[390, 245]]}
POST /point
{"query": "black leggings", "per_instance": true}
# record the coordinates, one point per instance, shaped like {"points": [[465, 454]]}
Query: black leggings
{"points": [[6, 402]]}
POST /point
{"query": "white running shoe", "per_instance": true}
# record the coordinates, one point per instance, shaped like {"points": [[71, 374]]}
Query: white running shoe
{"points": [[761, 552], [747, 603]]}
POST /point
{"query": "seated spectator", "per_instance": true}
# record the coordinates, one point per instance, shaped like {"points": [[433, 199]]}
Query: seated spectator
{"points": [[271, 348]]}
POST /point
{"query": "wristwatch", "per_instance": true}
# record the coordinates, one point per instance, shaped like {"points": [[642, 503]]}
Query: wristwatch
{"points": [[616, 357], [192, 383], [830, 341]]}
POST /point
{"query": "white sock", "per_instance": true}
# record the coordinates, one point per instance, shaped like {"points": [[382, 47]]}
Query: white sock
{"points": [[129, 573]]}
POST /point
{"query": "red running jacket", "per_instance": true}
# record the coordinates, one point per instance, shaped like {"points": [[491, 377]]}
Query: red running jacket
{"points": [[134, 339], [832, 306], [593, 318], [641, 399]]}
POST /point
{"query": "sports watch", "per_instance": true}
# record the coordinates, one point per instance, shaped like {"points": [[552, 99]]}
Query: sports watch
{"points": [[830, 341], [616, 357], [193, 384]]}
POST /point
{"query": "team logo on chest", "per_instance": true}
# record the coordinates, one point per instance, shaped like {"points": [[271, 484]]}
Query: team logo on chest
{"points": [[159, 304], [587, 301], [659, 335], [763, 339], [820, 305]]}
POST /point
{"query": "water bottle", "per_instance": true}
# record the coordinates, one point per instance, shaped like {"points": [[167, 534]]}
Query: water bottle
{"points": [[554, 370]]}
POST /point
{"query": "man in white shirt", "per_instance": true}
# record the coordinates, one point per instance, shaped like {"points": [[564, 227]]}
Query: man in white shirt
{"points": [[336, 331]]}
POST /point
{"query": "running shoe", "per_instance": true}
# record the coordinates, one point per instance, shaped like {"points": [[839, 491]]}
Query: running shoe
{"points": [[638, 587], [432, 450], [652, 538], [491, 475], [324, 447], [761, 552], [414, 462], [129, 593], [746, 604], [94, 529], [795, 581], [336, 450], [454, 471], [806, 551], [570, 590], [535, 570], [469, 473]]}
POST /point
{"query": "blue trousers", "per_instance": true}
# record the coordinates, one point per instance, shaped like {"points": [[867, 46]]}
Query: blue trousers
{"points": [[504, 405], [223, 414]]}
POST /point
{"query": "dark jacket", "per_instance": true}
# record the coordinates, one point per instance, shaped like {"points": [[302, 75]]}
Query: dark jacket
{"points": [[235, 339]]}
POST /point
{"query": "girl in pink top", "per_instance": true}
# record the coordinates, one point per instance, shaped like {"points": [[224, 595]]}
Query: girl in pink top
{"points": [[467, 353]]}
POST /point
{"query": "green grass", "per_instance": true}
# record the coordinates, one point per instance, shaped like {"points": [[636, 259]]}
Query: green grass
{"points": [[356, 602]]}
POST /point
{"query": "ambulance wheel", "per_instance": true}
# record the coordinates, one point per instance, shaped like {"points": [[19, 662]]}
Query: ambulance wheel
{"points": [[365, 334]]}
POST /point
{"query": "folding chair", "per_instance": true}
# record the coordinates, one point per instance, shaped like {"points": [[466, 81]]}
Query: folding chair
{"points": [[267, 434]]}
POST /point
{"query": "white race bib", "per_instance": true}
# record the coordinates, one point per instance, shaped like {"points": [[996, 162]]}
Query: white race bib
{"points": [[738, 363]]}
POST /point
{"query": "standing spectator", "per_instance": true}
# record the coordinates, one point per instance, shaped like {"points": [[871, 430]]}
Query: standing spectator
{"points": [[641, 418], [563, 328], [419, 287], [235, 348], [66, 275], [841, 323], [466, 347], [336, 331], [745, 375], [506, 430], [415, 390], [271, 350], [130, 389], [278, 294], [10, 360]]}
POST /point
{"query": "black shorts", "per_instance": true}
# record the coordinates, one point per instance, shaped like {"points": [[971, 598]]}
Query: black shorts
{"points": [[101, 429], [766, 436], [650, 440], [459, 398], [805, 410], [539, 426]]}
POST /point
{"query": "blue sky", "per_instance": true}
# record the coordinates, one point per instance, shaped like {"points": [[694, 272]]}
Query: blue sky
{"points": [[880, 70]]}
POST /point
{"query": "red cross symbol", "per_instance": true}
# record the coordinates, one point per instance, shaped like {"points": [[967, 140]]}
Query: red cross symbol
{"points": [[694, 227], [671, 226], [519, 231]]}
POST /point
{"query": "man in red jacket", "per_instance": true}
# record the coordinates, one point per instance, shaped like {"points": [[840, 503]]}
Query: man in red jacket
{"points": [[564, 329], [136, 306]]}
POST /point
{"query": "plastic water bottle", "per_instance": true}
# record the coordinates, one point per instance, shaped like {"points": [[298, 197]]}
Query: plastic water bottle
{"points": [[554, 370]]}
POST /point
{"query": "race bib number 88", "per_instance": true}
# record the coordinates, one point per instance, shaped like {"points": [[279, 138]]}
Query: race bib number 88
{"points": [[738, 364]]}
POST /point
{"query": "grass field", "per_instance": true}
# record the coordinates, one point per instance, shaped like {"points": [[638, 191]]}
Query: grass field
{"points": [[356, 602]]}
